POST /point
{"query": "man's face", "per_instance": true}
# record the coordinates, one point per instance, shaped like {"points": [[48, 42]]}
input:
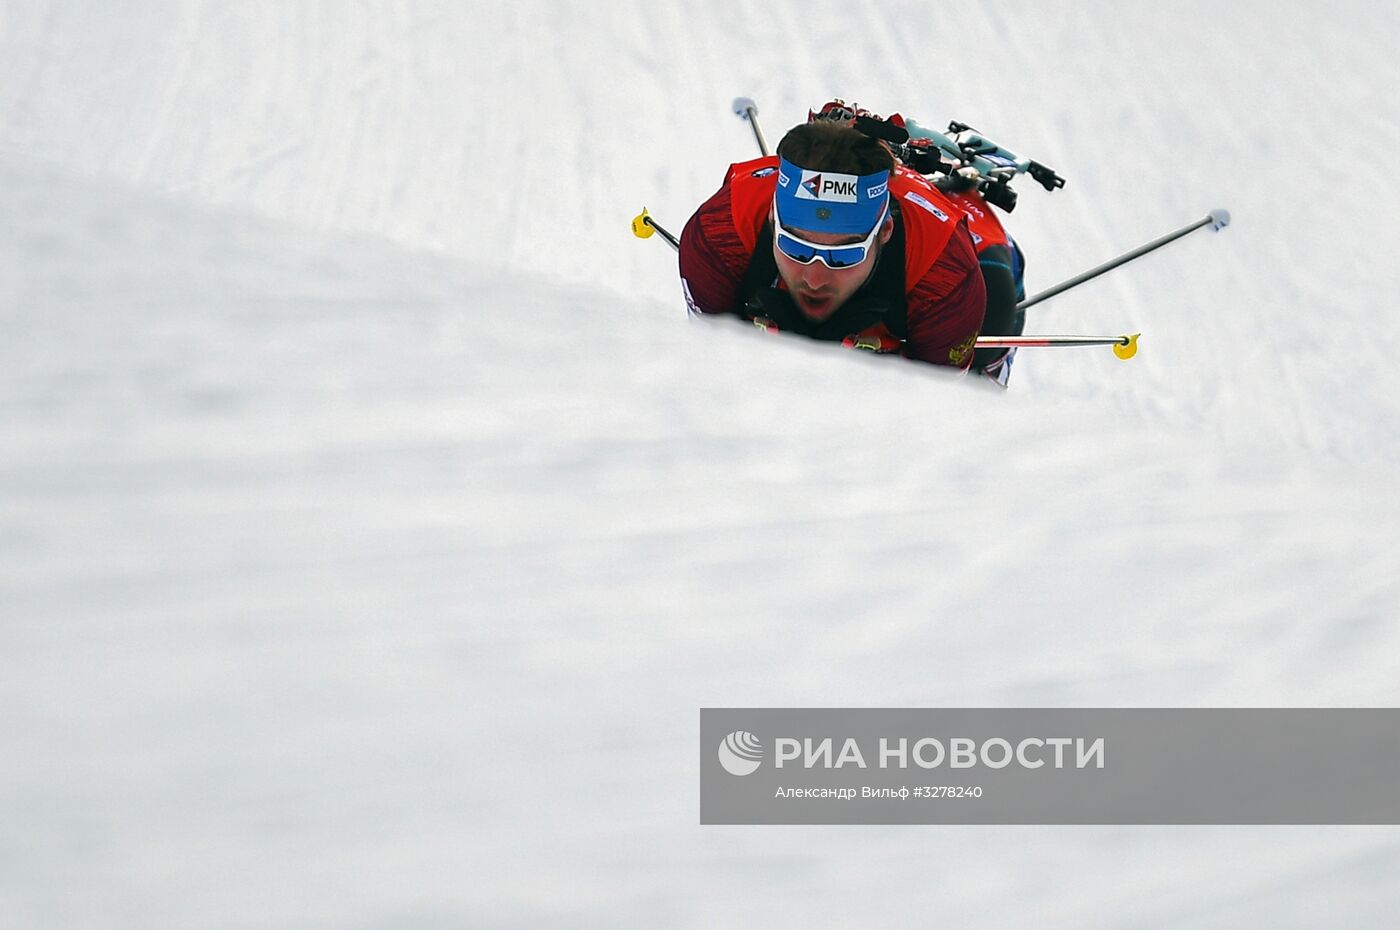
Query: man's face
{"points": [[818, 290]]}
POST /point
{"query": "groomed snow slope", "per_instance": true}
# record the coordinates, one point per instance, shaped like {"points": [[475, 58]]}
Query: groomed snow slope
{"points": [[373, 523]]}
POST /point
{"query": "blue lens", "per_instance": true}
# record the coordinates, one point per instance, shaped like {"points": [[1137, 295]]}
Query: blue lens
{"points": [[845, 256], [797, 251]]}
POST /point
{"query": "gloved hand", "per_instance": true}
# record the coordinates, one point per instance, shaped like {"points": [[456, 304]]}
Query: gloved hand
{"points": [[877, 339], [777, 308]]}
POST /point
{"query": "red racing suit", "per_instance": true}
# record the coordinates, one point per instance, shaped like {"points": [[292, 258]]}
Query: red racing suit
{"points": [[1002, 268], [925, 299]]}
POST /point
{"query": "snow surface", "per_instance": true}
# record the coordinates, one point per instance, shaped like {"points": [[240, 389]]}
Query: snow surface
{"points": [[373, 523]]}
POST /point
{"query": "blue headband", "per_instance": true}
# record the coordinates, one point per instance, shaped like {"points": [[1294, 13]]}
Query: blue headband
{"points": [[828, 201]]}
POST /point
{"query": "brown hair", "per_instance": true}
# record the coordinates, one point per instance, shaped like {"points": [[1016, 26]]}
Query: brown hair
{"points": [[830, 146]]}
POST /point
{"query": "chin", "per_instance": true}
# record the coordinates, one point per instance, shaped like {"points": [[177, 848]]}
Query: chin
{"points": [[817, 314]]}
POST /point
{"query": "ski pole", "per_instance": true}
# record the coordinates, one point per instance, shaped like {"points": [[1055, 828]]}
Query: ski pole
{"points": [[1218, 219], [643, 226], [1124, 346], [747, 110]]}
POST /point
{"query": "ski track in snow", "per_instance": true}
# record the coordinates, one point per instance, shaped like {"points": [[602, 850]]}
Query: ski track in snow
{"points": [[373, 523]]}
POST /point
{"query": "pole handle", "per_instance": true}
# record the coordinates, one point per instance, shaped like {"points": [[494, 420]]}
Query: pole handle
{"points": [[644, 227], [747, 110]]}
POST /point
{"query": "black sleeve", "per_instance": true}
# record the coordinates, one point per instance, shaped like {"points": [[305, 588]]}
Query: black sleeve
{"points": [[1002, 318]]}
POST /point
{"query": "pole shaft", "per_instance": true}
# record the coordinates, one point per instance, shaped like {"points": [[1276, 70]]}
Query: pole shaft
{"points": [[672, 240], [1007, 342], [1114, 263], [757, 133]]}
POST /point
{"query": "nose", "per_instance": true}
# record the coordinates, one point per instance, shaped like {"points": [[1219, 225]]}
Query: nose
{"points": [[816, 275]]}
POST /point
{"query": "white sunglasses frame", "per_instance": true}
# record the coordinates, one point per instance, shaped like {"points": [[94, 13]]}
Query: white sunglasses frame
{"points": [[821, 252]]}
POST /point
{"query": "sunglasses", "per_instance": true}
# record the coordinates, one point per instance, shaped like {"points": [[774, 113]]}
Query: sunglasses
{"points": [[835, 257]]}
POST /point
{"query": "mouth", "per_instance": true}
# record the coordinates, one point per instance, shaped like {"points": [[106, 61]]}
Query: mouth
{"points": [[814, 304]]}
